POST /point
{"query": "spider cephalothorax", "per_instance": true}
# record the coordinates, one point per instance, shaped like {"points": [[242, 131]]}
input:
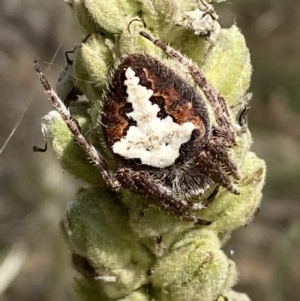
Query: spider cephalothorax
{"points": [[158, 128]]}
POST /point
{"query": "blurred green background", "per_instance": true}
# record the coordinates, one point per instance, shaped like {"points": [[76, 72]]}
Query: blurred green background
{"points": [[34, 191]]}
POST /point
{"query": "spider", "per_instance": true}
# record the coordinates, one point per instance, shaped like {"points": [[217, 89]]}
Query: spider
{"points": [[158, 129]]}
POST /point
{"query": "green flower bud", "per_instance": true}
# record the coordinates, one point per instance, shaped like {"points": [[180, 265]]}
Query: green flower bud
{"points": [[151, 224], [167, 20], [230, 211], [96, 229], [101, 16], [165, 16], [93, 60], [227, 65], [194, 269]]}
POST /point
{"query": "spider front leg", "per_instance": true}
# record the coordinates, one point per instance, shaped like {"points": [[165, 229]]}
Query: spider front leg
{"points": [[215, 162], [142, 183], [216, 100], [77, 132]]}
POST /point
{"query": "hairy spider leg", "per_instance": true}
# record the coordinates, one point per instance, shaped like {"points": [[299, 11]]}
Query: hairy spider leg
{"points": [[76, 130], [217, 101]]}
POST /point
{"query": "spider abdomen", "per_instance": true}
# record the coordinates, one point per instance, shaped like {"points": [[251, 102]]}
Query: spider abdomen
{"points": [[152, 115]]}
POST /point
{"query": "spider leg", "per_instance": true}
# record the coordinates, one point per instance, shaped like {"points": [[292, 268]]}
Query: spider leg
{"points": [[212, 196], [215, 172], [203, 204], [76, 130], [216, 100], [216, 164], [218, 147], [141, 182], [207, 8]]}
